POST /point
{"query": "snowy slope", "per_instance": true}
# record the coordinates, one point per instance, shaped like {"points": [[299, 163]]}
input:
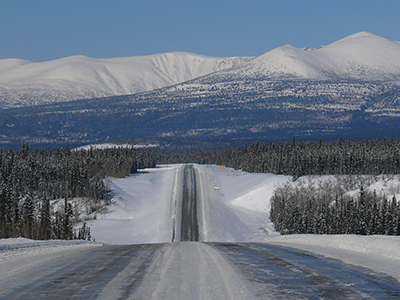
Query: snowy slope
{"points": [[142, 208], [361, 56], [236, 204], [12, 63], [79, 77]]}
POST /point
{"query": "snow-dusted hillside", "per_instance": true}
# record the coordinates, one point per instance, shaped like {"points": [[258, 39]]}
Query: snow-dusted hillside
{"points": [[361, 56], [24, 83]]}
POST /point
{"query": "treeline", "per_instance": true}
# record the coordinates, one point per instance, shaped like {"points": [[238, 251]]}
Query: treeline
{"points": [[40, 190], [327, 210], [302, 210], [30, 181], [298, 159]]}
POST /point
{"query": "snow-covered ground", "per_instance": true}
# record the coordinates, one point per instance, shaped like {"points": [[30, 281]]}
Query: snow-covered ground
{"points": [[236, 204], [234, 208], [142, 208]]}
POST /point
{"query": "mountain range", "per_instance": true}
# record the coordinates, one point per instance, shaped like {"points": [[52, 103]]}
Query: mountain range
{"points": [[348, 89], [25, 83]]}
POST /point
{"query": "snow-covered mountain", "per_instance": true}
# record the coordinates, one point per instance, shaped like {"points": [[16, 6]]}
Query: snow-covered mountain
{"points": [[24, 83], [361, 56], [349, 89]]}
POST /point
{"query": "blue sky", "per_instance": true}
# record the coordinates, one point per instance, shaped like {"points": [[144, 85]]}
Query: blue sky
{"points": [[40, 30]]}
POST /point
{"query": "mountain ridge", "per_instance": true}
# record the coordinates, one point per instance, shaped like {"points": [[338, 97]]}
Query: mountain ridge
{"points": [[361, 56], [311, 98], [24, 83]]}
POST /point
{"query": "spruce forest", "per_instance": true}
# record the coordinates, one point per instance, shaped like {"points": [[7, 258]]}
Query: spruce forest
{"points": [[43, 191]]}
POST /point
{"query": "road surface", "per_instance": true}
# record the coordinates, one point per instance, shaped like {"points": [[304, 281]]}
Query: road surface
{"points": [[189, 224], [193, 270]]}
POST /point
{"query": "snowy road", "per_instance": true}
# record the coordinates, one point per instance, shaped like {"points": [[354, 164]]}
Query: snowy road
{"points": [[186, 270], [194, 270], [189, 224]]}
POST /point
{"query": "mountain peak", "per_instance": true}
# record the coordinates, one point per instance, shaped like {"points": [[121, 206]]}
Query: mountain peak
{"points": [[360, 56], [362, 34]]}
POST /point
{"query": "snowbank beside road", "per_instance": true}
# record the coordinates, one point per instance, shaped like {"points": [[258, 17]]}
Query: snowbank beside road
{"points": [[236, 204], [142, 209], [39, 250]]}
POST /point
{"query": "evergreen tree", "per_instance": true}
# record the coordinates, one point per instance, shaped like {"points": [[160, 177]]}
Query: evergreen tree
{"points": [[361, 216], [391, 217], [28, 219], [67, 233], [44, 232], [3, 202]]}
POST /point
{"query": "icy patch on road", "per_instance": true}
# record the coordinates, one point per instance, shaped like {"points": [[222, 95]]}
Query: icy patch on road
{"points": [[17, 255], [376, 252], [10, 248], [20, 252]]}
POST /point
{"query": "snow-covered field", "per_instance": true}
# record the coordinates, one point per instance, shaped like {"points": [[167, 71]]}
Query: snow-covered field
{"points": [[234, 208]]}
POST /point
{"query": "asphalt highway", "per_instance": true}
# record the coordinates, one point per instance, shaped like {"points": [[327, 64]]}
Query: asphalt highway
{"points": [[189, 224]]}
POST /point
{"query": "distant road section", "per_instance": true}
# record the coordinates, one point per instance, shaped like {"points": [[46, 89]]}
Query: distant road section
{"points": [[189, 224]]}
